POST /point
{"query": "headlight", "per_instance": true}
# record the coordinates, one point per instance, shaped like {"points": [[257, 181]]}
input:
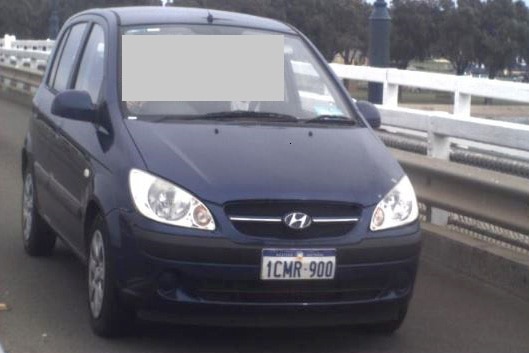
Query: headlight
{"points": [[397, 208], [165, 202]]}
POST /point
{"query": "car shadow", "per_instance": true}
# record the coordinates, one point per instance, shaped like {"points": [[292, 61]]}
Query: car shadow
{"points": [[219, 339]]}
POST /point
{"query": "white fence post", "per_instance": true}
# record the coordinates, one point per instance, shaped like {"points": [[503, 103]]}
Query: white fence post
{"points": [[438, 216], [438, 145], [8, 40], [462, 103], [390, 96]]}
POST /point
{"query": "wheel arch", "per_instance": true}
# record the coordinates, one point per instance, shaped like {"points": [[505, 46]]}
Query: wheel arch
{"points": [[25, 153], [92, 211]]}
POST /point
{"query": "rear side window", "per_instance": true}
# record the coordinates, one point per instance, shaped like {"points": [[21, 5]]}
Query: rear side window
{"points": [[68, 55], [90, 75]]}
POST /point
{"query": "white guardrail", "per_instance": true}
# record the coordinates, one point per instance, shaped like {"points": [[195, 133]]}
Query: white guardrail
{"points": [[443, 128]]}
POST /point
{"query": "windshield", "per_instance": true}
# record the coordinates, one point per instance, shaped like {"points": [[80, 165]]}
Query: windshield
{"points": [[309, 92]]}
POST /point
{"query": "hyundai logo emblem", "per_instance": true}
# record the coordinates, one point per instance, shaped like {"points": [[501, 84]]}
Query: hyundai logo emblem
{"points": [[297, 220]]}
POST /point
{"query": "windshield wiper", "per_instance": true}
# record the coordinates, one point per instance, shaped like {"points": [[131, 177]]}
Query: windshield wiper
{"points": [[233, 115], [331, 119], [261, 116], [250, 115]]}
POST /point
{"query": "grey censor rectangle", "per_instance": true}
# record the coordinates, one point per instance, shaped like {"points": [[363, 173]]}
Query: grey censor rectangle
{"points": [[202, 68]]}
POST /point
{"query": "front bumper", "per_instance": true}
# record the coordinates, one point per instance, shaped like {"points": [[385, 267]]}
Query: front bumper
{"points": [[215, 280]]}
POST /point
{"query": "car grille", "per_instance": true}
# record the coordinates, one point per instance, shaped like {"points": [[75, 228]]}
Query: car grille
{"points": [[264, 218]]}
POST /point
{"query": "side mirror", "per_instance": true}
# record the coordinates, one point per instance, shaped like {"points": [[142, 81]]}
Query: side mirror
{"points": [[75, 105], [370, 113]]}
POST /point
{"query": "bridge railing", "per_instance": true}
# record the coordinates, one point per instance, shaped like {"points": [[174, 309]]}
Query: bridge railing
{"points": [[442, 128], [462, 87], [474, 201], [22, 63]]}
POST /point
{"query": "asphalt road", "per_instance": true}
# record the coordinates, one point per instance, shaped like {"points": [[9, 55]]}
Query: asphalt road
{"points": [[47, 301]]}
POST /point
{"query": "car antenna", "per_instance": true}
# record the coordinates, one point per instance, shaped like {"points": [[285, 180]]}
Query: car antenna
{"points": [[210, 17]]}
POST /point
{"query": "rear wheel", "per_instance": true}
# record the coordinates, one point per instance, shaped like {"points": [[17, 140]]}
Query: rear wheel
{"points": [[38, 238], [109, 316]]}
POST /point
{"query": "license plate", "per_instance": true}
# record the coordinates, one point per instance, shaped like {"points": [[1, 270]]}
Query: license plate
{"points": [[298, 264]]}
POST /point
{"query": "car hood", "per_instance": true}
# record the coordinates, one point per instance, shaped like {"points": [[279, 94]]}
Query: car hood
{"points": [[222, 162]]}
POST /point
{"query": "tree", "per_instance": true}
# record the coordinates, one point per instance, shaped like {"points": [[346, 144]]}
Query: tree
{"points": [[459, 31], [334, 26], [28, 19], [316, 19], [413, 30], [352, 20], [522, 25], [498, 44], [25, 18]]}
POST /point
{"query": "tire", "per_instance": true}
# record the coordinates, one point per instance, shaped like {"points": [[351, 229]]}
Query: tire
{"points": [[387, 328], [109, 316], [37, 236]]}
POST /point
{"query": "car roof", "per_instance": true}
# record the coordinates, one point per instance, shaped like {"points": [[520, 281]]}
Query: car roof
{"points": [[144, 15]]}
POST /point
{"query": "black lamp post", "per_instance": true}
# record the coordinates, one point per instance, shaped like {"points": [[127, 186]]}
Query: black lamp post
{"points": [[54, 20], [379, 31]]}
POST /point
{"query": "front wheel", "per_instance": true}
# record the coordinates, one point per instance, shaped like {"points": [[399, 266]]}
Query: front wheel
{"points": [[38, 238], [109, 316]]}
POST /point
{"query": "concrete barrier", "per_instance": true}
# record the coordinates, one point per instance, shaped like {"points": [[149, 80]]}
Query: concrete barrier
{"points": [[486, 262]]}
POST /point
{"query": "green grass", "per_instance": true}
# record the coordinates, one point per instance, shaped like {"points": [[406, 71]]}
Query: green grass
{"points": [[432, 66]]}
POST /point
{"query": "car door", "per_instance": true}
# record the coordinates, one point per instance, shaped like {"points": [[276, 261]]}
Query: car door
{"points": [[46, 125], [78, 139], [42, 130], [58, 213]]}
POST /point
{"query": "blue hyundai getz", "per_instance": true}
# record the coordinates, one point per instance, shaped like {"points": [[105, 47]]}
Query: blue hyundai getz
{"points": [[219, 213]]}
